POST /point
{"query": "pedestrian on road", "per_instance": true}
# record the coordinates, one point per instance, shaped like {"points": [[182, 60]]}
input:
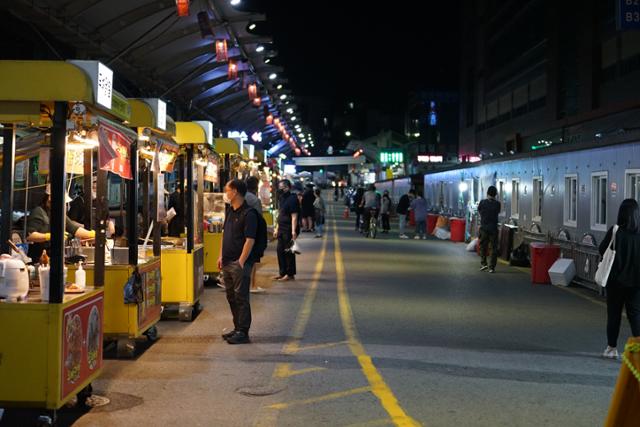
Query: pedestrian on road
{"points": [[254, 202], [385, 211], [319, 206], [403, 212], [357, 206], [623, 285], [236, 260], [420, 209], [489, 209], [285, 231], [371, 204], [308, 211]]}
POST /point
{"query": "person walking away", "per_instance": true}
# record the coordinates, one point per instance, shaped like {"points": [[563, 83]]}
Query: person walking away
{"points": [[385, 211], [254, 202], [358, 209], [403, 212], [319, 206], [236, 260], [308, 211], [176, 201], [489, 209], [419, 208], [285, 231], [623, 285], [371, 206]]}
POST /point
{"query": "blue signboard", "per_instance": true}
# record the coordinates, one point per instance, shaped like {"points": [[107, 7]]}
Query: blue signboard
{"points": [[628, 15]]}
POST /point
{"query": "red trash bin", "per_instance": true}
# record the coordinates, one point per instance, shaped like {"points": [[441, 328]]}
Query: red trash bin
{"points": [[412, 218], [457, 226], [431, 222], [542, 258]]}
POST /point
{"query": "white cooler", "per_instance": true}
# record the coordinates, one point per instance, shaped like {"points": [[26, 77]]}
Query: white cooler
{"points": [[562, 272]]}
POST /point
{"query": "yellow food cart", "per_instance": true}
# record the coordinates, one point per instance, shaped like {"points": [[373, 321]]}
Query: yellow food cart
{"points": [[51, 342]]}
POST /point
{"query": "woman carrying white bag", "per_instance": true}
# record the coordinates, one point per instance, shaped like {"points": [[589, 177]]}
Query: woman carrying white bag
{"points": [[623, 281]]}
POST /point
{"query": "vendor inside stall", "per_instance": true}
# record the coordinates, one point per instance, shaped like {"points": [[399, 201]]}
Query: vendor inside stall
{"points": [[38, 227]]}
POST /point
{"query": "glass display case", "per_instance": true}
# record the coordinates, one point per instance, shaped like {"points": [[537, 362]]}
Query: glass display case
{"points": [[214, 209]]}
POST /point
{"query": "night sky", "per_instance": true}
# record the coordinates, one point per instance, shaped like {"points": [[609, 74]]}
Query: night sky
{"points": [[365, 51]]}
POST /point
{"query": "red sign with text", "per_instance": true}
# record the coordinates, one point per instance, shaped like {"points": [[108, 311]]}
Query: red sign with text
{"points": [[115, 151]]}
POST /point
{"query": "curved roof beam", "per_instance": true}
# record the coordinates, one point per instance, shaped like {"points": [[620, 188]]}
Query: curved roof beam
{"points": [[121, 22], [214, 90], [186, 57]]}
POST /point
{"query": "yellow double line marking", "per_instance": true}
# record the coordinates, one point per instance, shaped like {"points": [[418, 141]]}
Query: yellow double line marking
{"points": [[378, 386]]}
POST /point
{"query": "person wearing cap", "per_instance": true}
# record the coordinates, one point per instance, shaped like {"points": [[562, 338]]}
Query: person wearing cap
{"points": [[39, 227]]}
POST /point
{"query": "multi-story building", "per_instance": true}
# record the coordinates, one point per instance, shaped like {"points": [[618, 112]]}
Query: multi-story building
{"points": [[538, 73]]}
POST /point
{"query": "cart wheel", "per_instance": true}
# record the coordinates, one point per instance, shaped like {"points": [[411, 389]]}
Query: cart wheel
{"points": [[126, 348], [84, 394], [185, 313], [46, 420], [152, 334]]}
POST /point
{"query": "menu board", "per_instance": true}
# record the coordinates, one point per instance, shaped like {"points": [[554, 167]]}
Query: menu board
{"points": [[149, 309]]}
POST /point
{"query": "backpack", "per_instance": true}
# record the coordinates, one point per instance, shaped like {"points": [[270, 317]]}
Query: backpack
{"points": [[262, 238]]}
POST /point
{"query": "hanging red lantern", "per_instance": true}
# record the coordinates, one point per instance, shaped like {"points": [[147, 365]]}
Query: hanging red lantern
{"points": [[257, 102], [269, 118], [297, 151], [232, 74], [222, 55], [253, 90], [183, 7]]}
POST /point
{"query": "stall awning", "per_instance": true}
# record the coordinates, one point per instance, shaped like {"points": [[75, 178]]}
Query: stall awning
{"points": [[191, 133], [226, 146]]}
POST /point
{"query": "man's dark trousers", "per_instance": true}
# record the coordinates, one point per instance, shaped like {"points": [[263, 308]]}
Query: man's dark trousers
{"points": [[286, 259], [237, 281], [489, 238]]}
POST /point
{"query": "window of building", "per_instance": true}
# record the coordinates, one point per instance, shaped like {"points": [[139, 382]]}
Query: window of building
{"points": [[502, 196], [515, 198], [571, 200], [632, 184], [599, 201], [537, 195]]}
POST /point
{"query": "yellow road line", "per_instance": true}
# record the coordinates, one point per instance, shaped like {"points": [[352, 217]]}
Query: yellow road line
{"points": [[379, 388], [321, 346], [326, 397], [284, 370], [373, 423]]}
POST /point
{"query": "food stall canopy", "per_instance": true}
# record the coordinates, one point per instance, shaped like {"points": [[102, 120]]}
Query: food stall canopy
{"points": [[151, 113], [193, 133], [226, 146]]}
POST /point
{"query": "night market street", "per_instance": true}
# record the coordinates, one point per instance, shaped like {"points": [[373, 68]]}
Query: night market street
{"points": [[370, 330]]}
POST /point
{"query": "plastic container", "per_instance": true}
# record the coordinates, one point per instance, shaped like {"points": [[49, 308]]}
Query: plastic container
{"points": [[542, 258], [43, 276], [431, 222], [562, 272], [457, 226], [81, 277]]}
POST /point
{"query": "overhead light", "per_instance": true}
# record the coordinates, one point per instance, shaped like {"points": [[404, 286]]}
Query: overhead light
{"points": [[290, 110], [283, 96], [252, 26], [301, 135], [273, 76], [279, 87], [347, 133], [235, 2], [294, 118], [267, 60], [303, 139], [287, 103], [260, 48]]}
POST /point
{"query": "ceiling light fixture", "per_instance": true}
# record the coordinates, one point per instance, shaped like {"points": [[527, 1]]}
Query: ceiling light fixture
{"points": [[273, 76], [235, 2], [279, 87], [283, 96], [252, 26], [260, 48]]}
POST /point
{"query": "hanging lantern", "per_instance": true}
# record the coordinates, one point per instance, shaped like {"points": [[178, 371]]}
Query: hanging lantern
{"points": [[233, 70], [253, 90], [222, 55], [183, 7], [297, 151], [269, 119], [277, 121], [257, 102]]}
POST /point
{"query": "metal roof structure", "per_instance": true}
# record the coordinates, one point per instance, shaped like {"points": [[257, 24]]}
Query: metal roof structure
{"points": [[157, 53]]}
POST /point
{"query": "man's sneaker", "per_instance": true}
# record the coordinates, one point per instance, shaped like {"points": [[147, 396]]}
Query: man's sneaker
{"points": [[610, 353], [484, 267], [256, 290], [228, 335], [416, 237], [424, 237], [239, 338], [492, 270], [404, 236]]}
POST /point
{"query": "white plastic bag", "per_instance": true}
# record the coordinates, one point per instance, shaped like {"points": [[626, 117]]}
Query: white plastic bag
{"points": [[471, 247], [295, 247], [442, 234], [604, 267]]}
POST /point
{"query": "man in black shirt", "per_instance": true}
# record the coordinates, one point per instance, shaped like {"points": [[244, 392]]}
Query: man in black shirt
{"points": [[403, 212], [236, 261], [489, 209], [285, 231]]}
